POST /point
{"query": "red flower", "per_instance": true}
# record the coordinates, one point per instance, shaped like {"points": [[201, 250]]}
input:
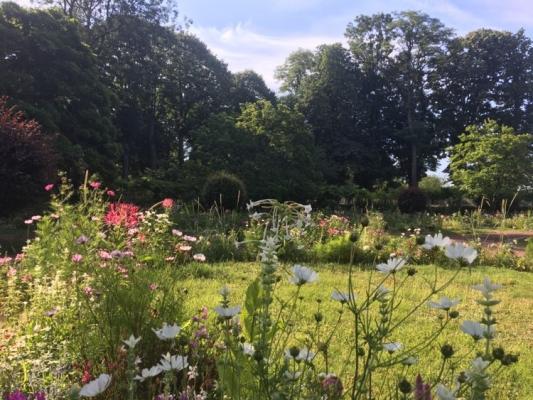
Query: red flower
{"points": [[125, 214], [167, 203]]}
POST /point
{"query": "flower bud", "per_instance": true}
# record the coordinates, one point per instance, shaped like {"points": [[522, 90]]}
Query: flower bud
{"points": [[405, 387], [294, 351], [364, 221], [498, 353], [411, 271], [453, 314], [447, 351], [319, 317], [354, 237]]}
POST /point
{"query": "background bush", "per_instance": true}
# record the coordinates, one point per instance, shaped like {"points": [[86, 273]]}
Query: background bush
{"points": [[225, 190]]}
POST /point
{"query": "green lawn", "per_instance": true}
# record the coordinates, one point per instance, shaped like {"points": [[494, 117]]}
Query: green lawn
{"points": [[515, 313]]}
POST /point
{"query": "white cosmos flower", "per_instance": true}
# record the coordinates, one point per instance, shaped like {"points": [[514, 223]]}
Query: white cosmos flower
{"points": [[149, 373], [392, 347], [410, 361], [381, 292], [444, 303], [305, 355], [227, 312], [302, 275], [167, 332], [169, 363], [477, 330], [248, 349], [444, 393], [94, 388], [459, 251], [342, 297], [292, 376], [487, 287], [132, 341], [393, 264], [308, 208], [436, 241]]}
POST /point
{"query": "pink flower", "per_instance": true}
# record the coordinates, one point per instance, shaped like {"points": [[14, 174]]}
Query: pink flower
{"points": [[153, 286], [95, 185], [5, 260], [170, 258], [167, 203], [28, 221], [199, 257], [177, 232], [110, 193], [49, 187], [122, 214], [184, 248], [422, 390], [89, 291], [55, 216], [104, 255], [11, 272], [76, 258], [189, 238], [19, 257], [36, 218]]}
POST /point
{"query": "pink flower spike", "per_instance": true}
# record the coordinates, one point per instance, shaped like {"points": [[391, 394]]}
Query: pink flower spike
{"points": [[49, 187], [167, 203], [95, 185]]}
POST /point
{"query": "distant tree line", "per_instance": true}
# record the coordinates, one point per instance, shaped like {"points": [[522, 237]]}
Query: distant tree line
{"points": [[128, 93]]}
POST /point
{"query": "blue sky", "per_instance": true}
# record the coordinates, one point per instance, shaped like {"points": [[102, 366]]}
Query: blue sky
{"points": [[259, 34]]}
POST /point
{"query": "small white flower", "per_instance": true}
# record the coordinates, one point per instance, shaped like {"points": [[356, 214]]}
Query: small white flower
{"points": [[132, 341], [392, 347], [292, 376], [169, 363], [248, 349], [459, 251], [256, 216], [199, 257], [167, 332], [339, 296], [149, 373], [305, 355], [393, 264], [94, 388], [487, 287], [436, 241], [410, 361], [477, 330], [302, 275], [224, 292], [444, 393], [227, 312], [479, 365], [381, 292], [444, 303], [308, 208]]}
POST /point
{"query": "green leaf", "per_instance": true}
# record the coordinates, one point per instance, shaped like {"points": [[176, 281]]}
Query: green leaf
{"points": [[252, 303]]}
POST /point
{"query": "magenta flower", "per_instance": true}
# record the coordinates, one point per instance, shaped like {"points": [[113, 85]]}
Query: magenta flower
{"points": [[39, 396], [76, 258], [49, 187], [95, 185], [422, 390], [17, 395], [111, 193]]}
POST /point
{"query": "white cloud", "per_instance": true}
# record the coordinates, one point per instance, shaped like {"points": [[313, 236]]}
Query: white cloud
{"points": [[241, 47]]}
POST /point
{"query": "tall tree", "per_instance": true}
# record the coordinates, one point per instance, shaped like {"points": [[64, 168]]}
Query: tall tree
{"points": [[52, 75], [406, 46], [485, 74], [293, 71], [248, 87]]}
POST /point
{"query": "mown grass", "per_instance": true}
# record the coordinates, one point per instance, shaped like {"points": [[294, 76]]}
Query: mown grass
{"points": [[514, 314]]}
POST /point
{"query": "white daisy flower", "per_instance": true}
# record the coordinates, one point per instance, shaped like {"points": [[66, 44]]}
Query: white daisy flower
{"points": [[436, 241], [227, 312], [95, 387], [444, 393], [487, 287], [477, 330], [392, 265], [444, 303], [167, 332], [392, 347], [169, 363], [132, 341], [339, 296], [149, 373], [302, 275], [459, 251]]}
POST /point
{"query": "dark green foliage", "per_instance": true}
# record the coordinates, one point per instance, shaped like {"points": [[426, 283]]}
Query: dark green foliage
{"points": [[53, 77], [224, 190], [26, 159], [412, 200]]}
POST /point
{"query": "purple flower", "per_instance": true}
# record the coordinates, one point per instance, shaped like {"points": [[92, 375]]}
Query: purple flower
{"points": [[82, 239], [39, 396], [17, 395]]}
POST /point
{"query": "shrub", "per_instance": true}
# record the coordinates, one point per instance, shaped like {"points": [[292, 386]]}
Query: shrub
{"points": [[26, 158], [412, 200], [225, 190]]}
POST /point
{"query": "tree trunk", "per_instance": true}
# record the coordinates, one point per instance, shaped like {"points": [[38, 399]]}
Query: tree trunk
{"points": [[414, 166]]}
